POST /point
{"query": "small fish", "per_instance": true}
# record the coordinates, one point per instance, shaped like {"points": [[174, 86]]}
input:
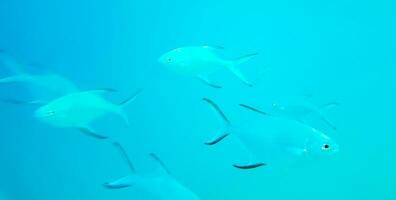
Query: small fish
{"points": [[43, 87], [161, 186], [272, 140], [78, 110], [201, 61]]}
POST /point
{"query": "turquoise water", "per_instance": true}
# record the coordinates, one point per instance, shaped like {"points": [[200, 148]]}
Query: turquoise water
{"points": [[339, 51]]}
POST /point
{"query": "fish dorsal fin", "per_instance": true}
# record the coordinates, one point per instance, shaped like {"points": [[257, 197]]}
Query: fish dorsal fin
{"points": [[218, 110], [124, 154], [253, 109], [163, 168]]}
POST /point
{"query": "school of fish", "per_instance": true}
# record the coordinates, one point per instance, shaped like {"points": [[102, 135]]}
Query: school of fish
{"points": [[278, 135]]}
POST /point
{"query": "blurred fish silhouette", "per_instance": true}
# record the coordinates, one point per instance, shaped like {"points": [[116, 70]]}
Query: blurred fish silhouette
{"points": [[273, 140], [301, 109], [78, 110], [202, 61], [162, 185], [44, 86]]}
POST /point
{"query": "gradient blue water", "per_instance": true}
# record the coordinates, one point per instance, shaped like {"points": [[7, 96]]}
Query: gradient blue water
{"points": [[336, 50]]}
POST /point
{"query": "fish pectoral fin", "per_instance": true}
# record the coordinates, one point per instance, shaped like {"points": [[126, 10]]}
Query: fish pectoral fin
{"points": [[240, 76], [216, 139], [250, 166], [123, 182], [92, 133], [206, 81]]}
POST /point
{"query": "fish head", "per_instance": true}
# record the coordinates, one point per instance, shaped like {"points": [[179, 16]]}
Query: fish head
{"points": [[174, 58], [321, 145], [45, 112], [50, 113]]}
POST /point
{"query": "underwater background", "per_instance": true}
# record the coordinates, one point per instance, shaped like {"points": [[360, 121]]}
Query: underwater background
{"points": [[341, 50]]}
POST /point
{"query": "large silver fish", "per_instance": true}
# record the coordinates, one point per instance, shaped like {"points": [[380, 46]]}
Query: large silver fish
{"points": [[78, 110], [270, 140]]}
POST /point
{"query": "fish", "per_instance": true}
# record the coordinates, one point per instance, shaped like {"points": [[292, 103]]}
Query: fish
{"points": [[43, 87], [202, 61], [161, 185], [270, 140], [301, 109], [78, 110]]}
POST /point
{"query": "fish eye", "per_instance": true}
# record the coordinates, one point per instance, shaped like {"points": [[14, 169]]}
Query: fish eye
{"points": [[169, 59], [326, 147]]}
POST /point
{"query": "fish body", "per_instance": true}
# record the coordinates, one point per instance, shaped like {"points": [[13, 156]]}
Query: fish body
{"points": [[202, 61], [194, 60]]}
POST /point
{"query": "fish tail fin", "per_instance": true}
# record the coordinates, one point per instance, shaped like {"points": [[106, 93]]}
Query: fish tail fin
{"points": [[123, 182], [128, 180], [233, 67], [226, 124], [123, 115], [120, 111]]}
